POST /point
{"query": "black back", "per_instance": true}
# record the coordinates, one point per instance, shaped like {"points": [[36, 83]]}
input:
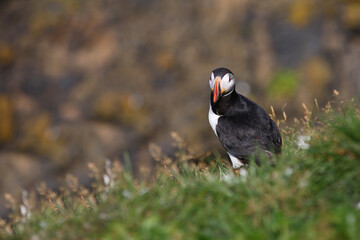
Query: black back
{"points": [[245, 127]]}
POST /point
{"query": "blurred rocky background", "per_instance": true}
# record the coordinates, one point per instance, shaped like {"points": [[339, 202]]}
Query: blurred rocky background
{"points": [[84, 81]]}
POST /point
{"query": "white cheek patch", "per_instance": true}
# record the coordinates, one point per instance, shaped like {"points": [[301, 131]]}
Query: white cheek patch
{"points": [[227, 83], [225, 78], [211, 81]]}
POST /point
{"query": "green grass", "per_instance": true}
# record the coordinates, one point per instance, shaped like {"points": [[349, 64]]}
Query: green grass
{"points": [[308, 194]]}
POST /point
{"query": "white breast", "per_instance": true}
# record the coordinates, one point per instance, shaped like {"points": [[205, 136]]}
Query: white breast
{"points": [[213, 119]]}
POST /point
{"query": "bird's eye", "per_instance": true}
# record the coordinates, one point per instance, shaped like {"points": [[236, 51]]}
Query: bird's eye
{"points": [[229, 78]]}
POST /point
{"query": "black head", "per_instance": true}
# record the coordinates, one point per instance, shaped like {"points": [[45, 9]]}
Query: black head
{"points": [[220, 72], [222, 82]]}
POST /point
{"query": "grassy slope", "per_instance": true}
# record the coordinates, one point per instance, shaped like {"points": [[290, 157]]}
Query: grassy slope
{"points": [[309, 194]]}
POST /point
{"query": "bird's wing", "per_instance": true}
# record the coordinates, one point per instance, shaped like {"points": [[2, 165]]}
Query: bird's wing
{"points": [[241, 137]]}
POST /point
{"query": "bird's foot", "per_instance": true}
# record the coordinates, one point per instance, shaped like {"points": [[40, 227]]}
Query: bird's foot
{"points": [[241, 172]]}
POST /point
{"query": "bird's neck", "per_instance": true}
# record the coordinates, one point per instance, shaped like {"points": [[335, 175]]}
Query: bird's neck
{"points": [[225, 103]]}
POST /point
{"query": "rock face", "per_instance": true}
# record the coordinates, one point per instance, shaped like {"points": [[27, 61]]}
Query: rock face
{"points": [[93, 80], [18, 171], [6, 120]]}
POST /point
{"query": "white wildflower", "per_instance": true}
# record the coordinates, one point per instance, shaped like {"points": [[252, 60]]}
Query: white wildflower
{"points": [[126, 194], [227, 177], [303, 141], [106, 179], [288, 171], [142, 191], [23, 210]]}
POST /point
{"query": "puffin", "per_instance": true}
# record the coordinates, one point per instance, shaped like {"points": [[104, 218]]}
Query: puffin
{"points": [[243, 128]]}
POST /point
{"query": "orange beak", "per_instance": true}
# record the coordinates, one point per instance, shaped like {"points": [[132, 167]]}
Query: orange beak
{"points": [[216, 90]]}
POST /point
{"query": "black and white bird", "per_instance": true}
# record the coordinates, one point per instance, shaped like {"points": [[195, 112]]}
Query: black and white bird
{"points": [[242, 126]]}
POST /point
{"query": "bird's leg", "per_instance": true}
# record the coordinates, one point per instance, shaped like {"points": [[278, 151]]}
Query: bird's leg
{"points": [[241, 171]]}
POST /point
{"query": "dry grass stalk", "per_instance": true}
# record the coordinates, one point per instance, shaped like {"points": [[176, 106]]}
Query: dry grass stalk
{"points": [[72, 182], [155, 151]]}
